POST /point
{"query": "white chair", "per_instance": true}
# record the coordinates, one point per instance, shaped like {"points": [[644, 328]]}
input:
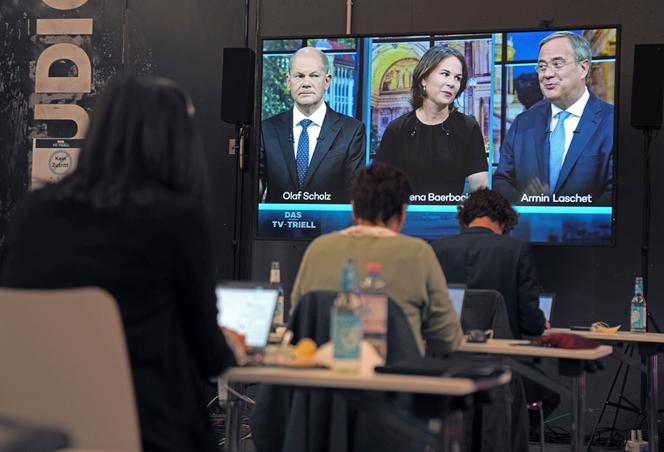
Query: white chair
{"points": [[64, 363]]}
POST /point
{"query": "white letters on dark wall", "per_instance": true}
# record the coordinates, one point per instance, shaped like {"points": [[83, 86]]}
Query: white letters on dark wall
{"points": [[63, 73], [56, 57]]}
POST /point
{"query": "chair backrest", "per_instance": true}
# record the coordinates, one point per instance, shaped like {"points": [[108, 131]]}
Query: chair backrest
{"points": [[65, 364], [486, 309], [311, 318]]}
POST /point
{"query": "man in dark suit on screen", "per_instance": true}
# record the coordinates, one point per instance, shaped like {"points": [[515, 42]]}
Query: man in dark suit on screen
{"points": [[560, 151], [482, 257], [310, 153]]}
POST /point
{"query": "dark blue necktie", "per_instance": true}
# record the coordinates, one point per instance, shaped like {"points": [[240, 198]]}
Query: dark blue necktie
{"points": [[557, 149], [302, 154]]}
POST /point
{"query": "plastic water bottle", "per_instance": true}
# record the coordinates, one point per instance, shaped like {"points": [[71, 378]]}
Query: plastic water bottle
{"points": [[373, 295], [638, 312], [643, 445], [275, 278], [636, 442], [345, 324]]}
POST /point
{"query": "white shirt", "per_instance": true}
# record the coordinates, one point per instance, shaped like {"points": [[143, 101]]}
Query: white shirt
{"points": [[572, 121], [313, 130]]}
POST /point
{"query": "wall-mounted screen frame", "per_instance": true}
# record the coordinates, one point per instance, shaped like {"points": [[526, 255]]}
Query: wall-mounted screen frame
{"points": [[370, 87]]}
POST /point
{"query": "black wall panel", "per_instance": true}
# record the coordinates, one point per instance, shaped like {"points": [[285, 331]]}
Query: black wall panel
{"points": [[184, 41]]}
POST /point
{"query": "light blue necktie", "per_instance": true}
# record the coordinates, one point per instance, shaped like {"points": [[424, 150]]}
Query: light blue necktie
{"points": [[557, 149], [302, 154]]}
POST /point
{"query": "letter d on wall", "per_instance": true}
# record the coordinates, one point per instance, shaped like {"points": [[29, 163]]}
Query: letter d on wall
{"points": [[82, 83]]}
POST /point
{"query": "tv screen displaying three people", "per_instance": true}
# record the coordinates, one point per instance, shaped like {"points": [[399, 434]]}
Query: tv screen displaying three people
{"points": [[529, 114]]}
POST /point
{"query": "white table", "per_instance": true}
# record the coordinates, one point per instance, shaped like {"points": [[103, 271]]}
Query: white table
{"points": [[571, 363], [649, 345], [324, 378]]}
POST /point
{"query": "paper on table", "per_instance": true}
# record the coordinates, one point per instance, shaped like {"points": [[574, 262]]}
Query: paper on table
{"points": [[601, 327], [369, 357]]}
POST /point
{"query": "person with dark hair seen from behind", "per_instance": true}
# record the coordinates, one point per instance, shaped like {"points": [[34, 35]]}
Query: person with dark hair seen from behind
{"points": [[527, 89], [482, 256], [560, 151], [380, 198], [130, 219], [435, 145]]}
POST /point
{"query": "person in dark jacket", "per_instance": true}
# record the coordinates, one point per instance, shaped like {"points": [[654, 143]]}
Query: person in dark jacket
{"points": [[483, 257], [130, 219]]}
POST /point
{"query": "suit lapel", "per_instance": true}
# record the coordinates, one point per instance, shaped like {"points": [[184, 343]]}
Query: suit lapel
{"points": [[328, 133], [285, 137], [541, 139], [586, 128]]}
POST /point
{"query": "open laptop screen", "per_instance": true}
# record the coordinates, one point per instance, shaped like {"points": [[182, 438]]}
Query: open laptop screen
{"points": [[545, 304], [247, 309], [457, 293]]}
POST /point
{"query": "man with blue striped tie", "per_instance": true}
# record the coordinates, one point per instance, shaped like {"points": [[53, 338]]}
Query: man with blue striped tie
{"points": [[560, 151], [310, 153]]}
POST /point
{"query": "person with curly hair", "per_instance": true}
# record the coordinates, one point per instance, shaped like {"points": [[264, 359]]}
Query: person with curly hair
{"points": [[413, 275], [482, 256]]}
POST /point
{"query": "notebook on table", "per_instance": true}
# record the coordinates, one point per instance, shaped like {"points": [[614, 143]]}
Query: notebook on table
{"points": [[247, 308]]}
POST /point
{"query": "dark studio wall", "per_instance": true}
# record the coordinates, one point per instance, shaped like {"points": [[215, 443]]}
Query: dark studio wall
{"points": [[185, 41]]}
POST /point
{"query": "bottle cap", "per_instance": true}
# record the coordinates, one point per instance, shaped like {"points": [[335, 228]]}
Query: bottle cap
{"points": [[349, 275], [374, 267], [275, 273]]}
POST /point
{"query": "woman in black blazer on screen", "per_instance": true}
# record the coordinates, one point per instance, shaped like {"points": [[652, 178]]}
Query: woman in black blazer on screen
{"points": [[130, 219]]}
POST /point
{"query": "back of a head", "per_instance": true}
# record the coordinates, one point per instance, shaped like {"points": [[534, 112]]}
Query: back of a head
{"points": [[528, 89], [142, 138], [379, 193], [485, 202]]}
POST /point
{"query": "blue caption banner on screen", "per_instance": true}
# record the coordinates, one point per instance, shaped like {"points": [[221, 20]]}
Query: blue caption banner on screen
{"points": [[589, 225]]}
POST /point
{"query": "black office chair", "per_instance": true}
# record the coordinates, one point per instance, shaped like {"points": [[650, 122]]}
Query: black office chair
{"points": [[321, 420], [486, 310], [311, 319]]}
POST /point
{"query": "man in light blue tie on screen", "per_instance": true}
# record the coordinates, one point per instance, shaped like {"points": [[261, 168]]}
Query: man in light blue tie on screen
{"points": [[560, 151], [310, 152], [557, 147]]}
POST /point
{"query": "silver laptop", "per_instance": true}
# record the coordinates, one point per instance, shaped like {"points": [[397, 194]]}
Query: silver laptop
{"points": [[247, 308], [457, 293], [546, 301]]}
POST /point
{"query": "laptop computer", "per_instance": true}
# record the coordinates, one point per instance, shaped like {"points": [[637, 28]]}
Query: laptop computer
{"points": [[457, 293], [247, 308], [546, 302]]}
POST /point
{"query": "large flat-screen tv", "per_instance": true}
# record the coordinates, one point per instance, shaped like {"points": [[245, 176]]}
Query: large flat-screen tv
{"points": [[502, 132]]}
